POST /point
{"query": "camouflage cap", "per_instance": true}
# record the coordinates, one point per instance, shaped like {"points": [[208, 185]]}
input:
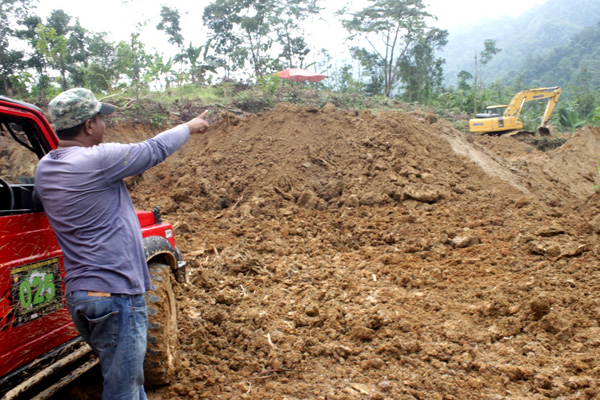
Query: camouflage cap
{"points": [[75, 106]]}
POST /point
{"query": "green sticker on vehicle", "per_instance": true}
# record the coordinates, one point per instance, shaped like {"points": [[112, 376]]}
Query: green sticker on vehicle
{"points": [[36, 290]]}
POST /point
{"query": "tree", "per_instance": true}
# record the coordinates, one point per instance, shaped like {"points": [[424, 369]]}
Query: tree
{"points": [[54, 48], [35, 60], [486, 55], [247, 39], [346, 82], [64, 46], [83, 58], [421, 70], [290, 35], [220, 18], [12, 61], [585, 93], [131, 61], [169, 23], [489, 51], [245, 32], [78, 53], [399, 25], [190, 56], [372, 66], [100, 71], [463, 77]]}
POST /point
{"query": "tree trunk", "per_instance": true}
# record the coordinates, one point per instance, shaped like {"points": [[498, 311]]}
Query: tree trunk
{"points": [[475, 87]]}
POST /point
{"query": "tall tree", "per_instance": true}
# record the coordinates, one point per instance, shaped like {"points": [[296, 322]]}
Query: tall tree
{"points": [[170, 24], [35, 59], [100, 70], [188, 56], [78, 59], [64, 46], [131, 61], [372, 66], [391, 28], [54, 48], [485, 56], [12, 12], [421, 70], [249, 39], [290, 35], [220, 17], [245, 32]]}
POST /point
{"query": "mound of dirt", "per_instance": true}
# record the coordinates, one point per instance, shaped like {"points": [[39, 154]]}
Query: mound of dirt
{"points": [[351, 255]]}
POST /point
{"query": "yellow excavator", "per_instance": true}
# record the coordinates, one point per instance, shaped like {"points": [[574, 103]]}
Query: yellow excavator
{"points": [[501, 119]]}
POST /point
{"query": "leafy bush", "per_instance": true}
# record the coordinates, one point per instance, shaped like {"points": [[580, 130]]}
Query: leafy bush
{"points": [[157, 121]]}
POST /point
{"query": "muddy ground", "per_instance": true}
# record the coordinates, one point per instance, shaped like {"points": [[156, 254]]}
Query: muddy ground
{"points": [[358, 255]]}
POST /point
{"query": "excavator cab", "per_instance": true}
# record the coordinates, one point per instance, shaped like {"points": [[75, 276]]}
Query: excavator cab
{"points": [[492, 111]]}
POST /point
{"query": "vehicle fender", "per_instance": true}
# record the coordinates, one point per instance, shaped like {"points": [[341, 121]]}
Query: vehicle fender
{"points": [[158, 249]]}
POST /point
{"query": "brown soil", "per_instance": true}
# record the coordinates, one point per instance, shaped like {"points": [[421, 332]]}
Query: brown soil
{"points": [[353, 255]]}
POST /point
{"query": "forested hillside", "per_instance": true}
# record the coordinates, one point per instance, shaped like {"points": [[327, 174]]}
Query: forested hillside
{"points": [[551, 44], [574, 63]]}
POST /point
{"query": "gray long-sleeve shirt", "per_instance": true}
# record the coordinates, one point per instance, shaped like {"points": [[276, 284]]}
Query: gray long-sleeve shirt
{"points": [[91, 212]]}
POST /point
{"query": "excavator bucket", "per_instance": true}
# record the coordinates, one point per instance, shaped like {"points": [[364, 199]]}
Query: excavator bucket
{"points": [[544, 131]]}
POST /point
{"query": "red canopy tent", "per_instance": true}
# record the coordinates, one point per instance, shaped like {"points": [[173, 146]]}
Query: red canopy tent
{"points": [[299, 75]]}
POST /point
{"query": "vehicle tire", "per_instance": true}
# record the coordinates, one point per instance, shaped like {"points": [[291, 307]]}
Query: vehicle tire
{"points": [[160, 364]]}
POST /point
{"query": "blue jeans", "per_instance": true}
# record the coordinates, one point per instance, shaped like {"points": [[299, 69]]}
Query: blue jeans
{"points": [[116, 328]]}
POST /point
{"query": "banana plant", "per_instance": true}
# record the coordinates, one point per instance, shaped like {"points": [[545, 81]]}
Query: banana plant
{"points": [[200, 62], [156, 68], [596, 117], [569, 117]]}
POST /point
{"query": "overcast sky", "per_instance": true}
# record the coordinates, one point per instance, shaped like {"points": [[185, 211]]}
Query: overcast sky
{"points": [[119, 18]]}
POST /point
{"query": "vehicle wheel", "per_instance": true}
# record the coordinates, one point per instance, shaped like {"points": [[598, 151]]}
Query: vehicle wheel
{"points": [[161, 355]]}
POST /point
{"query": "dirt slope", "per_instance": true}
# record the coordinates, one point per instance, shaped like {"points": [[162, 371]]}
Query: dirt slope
{"points": [[351, 255]]}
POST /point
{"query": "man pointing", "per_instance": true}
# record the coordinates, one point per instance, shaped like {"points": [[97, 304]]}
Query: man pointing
{"points": [[80, 185]]}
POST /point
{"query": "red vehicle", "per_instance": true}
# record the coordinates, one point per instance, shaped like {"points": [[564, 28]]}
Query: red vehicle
{"points": [[40, 350]]}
